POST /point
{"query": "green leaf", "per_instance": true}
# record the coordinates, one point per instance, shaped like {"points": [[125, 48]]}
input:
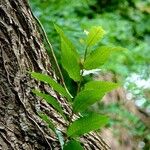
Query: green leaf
{"points": [[51, 100], [47, 120], [93, 92], [86, 124], [73, 145], [56, 86], [95, 34], [85, 99], [69, 57], [103, 86], [99, 56]]}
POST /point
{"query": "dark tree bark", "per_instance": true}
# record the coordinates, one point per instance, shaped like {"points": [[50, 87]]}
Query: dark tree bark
{"points": [[22, 50]]}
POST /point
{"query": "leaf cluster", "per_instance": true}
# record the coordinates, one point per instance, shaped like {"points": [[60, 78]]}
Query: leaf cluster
{"points": [[87, 94], [127, 23]]}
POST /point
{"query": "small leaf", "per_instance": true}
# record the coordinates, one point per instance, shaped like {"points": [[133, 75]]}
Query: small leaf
{"points": [[69, 56], [73, 145], [92, 92], [95, 34], [47, 120], [51, 100], [60, 138], [86, 124], [98, 57], [56, 86]]}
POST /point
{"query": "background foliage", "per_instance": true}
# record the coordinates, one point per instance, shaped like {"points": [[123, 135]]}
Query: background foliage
{"points": [[127, 23]]}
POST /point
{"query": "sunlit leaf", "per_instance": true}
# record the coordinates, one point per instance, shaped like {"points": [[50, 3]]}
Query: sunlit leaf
{"points": [[103, 86], [69, 56], [73, 145], [95, 34], [92, 92], [56, 86], [99, 56], [86, 124], [51, 100]]}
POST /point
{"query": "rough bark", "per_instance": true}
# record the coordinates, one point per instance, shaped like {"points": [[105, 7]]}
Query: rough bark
{"points": [[21, 50]]}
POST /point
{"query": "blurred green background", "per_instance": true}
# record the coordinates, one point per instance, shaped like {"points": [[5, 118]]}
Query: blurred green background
{"points": [[127, 23]]}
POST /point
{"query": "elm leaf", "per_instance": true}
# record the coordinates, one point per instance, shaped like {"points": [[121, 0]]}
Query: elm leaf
{"points": [[85, 99], [56, 86], [86, 124], [104, 86], [51, 100], [69, 57], [99, 56], [95, 34], [92, 92]]}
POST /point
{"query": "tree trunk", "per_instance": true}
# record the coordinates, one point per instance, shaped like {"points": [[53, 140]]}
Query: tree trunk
{"points": [[22, 50]]}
